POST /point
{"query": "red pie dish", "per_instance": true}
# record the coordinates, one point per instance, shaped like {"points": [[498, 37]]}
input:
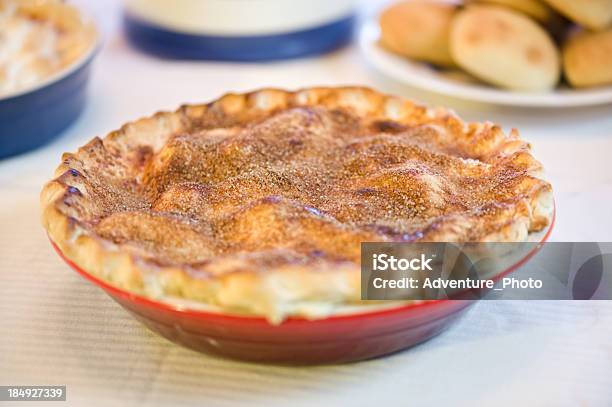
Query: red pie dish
{"points": [[296, 341], [235, 227]]}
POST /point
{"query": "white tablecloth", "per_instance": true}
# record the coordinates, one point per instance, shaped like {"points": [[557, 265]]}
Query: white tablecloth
{"points": [[59, 329]]}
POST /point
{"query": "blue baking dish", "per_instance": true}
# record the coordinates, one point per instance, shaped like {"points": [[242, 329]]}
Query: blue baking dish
{"points": [[232, 30], [34, 116], [175, 45]]}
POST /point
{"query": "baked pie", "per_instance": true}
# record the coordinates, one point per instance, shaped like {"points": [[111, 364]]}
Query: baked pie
{"points": [[39, 38], [257, 203]]}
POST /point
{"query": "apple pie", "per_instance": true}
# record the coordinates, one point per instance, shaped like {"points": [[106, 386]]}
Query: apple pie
{"points": [[257, 203]]}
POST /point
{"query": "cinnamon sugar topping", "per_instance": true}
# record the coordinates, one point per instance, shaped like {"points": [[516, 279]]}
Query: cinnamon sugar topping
{"points": [[301, 182]]}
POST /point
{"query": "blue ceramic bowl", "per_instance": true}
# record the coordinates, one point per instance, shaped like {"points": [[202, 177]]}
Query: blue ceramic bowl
{"points": [[176, 45], [237, 30], [34, 116]]}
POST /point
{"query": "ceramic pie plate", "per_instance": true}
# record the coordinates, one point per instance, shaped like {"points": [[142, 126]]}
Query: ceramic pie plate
{"points": [[350, 335], [423, 76]]}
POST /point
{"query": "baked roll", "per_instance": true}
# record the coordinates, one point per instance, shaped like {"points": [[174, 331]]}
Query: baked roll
{"points": [[536, 9], [418, 30], [587, 59], [593, 14], [504, 48], [540, 11]]}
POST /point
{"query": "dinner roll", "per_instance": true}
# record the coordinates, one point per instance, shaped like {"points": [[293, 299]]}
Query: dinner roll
{"points": [[533, 8], [504, 48], [594, 14], [587, 59], [418, 30]]}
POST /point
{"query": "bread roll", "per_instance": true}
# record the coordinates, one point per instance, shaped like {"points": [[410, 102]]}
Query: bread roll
{"points": [[533, 8], [418, 30], [594, 14], [540, 11], [504, 48], [587, 59]]}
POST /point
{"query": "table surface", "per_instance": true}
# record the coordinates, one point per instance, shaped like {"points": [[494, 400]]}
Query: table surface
{"points": [[58, 329]]}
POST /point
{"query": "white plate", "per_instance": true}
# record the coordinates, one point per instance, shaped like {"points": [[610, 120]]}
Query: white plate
{"points": [[423, 76]]}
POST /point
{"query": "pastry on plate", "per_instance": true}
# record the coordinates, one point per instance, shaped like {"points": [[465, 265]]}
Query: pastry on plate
{"points": [[418, 30], [504, 48], [39, 39], [536, 9], [587, 59], [257, 203], [594, 14], [539, 10]]}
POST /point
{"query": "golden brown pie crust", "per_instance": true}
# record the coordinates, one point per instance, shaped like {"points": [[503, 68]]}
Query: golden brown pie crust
{"points": [[257, 203]]}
